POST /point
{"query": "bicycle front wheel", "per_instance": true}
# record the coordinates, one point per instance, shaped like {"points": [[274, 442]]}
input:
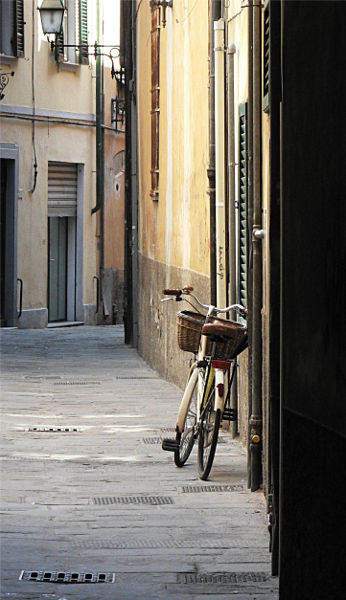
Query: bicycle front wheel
{"points": [[207, 438]]}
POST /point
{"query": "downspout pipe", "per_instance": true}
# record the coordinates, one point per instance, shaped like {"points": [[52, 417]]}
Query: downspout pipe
{"points": [[214, 15], [99, 133], [256, 405], [231, 49], [221, 274], [128, 32], [99, 148], [250, 219]]}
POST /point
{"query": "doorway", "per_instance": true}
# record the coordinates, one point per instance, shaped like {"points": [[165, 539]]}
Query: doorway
{"points": [[62, 269], [65, 242], [8, 244]]}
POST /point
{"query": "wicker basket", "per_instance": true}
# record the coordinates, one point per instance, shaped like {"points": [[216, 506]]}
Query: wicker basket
{"points": [[189, 335], [189, 330]]}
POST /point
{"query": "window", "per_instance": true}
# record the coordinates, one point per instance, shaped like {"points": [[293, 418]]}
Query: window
{"points": [[75, 31], [155, 101], [266, 57], [12, 27], [243, 235]]}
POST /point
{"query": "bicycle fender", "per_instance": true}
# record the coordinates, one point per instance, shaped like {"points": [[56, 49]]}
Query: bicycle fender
{"points": [[219, 390], [186, 399]]}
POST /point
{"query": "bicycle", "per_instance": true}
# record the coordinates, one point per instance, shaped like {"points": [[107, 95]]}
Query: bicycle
{"points": [[206, 400]]}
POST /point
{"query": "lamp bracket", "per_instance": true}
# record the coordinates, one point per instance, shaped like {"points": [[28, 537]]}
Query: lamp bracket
{"points": [[164, 4]]}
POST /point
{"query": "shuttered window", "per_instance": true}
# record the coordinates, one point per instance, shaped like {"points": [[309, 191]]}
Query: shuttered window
{"points": [[19, 27], [75, 31], [155, 101], [12, 27], [62, 189], [83, 31], [243, 235], [266, 56]]}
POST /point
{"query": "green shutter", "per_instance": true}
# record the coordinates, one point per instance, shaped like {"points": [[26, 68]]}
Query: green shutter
{"points": [[19, 21], [266, 56], [243, 235], [83, 31]]}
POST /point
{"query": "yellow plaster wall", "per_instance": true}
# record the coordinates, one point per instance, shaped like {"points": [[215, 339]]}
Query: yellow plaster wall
{"points": [[175, 230], [62, 91]]}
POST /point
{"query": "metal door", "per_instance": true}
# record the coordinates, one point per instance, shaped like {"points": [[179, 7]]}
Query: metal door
{"points": [[57, 305]]}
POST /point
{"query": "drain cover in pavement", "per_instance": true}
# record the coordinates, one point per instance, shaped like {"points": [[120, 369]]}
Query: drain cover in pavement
{"points": [[66, 577], [219, 578], [77, 383], [153, 440], [195, 489], [153, 500], [44, 429], [135, 378]]}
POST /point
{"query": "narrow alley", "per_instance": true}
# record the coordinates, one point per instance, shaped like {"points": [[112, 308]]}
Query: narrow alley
{"points": [[89, 495]]}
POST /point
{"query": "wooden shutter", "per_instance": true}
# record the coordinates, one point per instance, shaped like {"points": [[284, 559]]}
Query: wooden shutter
{"points": [[83, 31], [243, 235], [62, 189], [266, 56], [19, 24], [155, 101]]}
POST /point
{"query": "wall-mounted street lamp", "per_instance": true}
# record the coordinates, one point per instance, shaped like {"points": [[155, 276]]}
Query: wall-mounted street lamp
{"points": [[52, 15], [164, 4]]}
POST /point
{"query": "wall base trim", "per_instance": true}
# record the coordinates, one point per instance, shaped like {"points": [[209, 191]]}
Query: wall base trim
{"points": [[33, 318]]}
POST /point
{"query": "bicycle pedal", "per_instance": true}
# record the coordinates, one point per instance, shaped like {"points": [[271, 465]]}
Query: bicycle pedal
{"points": [[170, 445], [229, 414]]}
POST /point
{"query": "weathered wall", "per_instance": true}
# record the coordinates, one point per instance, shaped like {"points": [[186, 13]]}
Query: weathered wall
{"points": [[158, 333], [174, 231]]}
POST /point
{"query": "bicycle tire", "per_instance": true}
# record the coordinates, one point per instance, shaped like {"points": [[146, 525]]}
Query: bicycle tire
{"points": [[207, 439], [186, 439]]}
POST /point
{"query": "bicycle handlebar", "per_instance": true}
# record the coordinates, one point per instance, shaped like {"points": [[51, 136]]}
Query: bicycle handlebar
{"points": [[187, 290]]}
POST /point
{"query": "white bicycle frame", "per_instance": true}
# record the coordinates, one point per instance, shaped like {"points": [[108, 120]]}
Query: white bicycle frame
{"points": [[219, 373]]}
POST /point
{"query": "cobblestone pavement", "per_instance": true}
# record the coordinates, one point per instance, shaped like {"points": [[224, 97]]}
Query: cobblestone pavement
{"points": [[88, 494]]}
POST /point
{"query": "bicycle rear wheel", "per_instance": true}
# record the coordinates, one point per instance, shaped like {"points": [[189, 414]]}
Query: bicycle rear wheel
{"points": [[207, 437], [186, 439]]}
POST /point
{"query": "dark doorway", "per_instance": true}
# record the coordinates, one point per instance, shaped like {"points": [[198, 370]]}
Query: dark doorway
{"points": [[8, 250], [57, 304]]}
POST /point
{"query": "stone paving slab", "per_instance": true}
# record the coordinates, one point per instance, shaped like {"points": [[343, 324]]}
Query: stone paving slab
{"points": [[102, 497]]}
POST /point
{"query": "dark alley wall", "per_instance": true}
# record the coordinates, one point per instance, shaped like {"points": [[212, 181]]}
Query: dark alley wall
{"points": [[313, 300]]}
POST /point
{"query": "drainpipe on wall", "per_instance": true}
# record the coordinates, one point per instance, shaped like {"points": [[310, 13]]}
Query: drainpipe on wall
{"points": [[250, 219], [231, 49], [219, 47], [134, 187], [256, 407], [214, 15], [127, 57], [99, 146]]}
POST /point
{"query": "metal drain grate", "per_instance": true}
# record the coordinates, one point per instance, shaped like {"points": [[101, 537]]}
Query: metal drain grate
{"points": [[42, 429], [135, 378], [153, 440], [147, 543], [195, 489], [152, 500], [219, 578], [41, 377], [66, 577], [168, 429], [77, 383]]}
